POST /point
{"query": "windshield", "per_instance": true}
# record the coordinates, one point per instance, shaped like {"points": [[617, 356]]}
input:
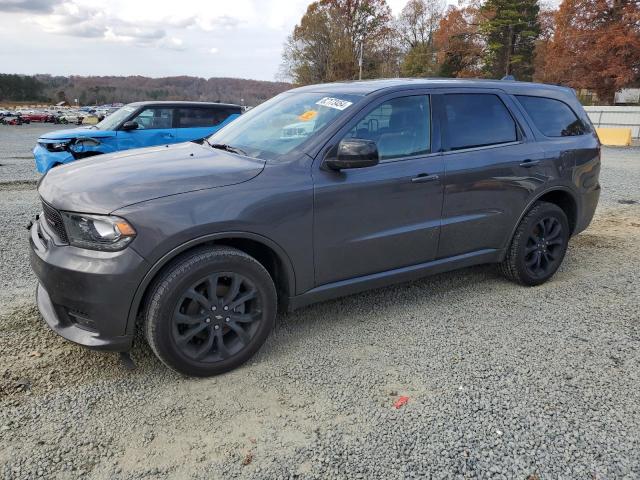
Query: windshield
{"points": [[278, 126], [113, 120]]}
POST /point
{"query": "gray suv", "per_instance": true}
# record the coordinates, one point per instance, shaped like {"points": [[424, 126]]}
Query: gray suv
{"points": [[322, 191]]}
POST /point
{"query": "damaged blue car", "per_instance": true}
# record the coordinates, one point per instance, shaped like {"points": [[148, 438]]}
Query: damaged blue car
{"points": [[136, 125]]}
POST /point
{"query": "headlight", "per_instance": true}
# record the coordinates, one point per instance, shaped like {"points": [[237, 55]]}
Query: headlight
{"points": [[97, 232], [57, 147]]}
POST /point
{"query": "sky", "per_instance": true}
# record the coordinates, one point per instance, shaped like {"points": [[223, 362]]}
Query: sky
{"points": [[156, 38]]}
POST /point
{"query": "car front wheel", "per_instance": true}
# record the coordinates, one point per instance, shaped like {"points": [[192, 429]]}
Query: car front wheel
{"points": [[538, 245], [210, 311]]}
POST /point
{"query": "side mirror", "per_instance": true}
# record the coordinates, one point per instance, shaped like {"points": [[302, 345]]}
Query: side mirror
{"points": [[130, 125], [354, 153]]}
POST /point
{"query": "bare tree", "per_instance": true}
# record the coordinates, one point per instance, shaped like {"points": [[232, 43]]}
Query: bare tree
{"points": [[418, 22]]}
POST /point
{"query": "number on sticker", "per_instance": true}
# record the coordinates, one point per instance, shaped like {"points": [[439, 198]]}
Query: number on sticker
{"points": [[334, 103]]}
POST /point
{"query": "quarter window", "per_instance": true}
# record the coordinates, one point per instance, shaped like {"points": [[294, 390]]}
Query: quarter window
{"points": [[154, 118], [400, 127], [552, 117], [477, 120]]}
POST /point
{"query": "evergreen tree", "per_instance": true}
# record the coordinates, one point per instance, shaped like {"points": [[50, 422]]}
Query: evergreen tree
{"points": [[510, 29]]}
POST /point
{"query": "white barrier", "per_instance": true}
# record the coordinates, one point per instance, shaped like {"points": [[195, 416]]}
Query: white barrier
{"points": [[616, 117]]}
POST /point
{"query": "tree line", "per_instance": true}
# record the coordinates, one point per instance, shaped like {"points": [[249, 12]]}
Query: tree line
{"points": [[101, 90], [584, 44]]}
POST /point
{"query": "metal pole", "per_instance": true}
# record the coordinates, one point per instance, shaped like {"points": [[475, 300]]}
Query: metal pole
{"points": [[360, 59]]}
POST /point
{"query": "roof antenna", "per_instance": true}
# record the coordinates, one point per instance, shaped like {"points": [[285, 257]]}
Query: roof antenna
{"points": [[510, 78]]}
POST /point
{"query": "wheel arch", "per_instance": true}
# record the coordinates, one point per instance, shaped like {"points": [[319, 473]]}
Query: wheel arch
{"points": [[561, 196], [264, 250], [90, 153], [564, 199]]}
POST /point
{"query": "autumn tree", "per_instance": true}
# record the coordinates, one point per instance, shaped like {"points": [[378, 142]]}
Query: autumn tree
{"points": [[510, 29], [458, 43], [325, 45], [416, 26], [596, 45], [547, 22]]}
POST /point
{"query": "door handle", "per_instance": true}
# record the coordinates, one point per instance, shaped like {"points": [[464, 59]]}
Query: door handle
{"points": [[529, 163], [425, 177]]}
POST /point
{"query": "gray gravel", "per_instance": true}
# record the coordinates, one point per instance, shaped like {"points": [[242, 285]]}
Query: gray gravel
{"points": [[16, 146], [503, 381]]}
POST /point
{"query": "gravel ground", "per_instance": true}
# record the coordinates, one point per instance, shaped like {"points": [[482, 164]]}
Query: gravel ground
{"points": [[503, 381], [16, 145]]}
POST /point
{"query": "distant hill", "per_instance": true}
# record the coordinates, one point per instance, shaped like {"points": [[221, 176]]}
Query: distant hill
{"points": [[100, 90]]}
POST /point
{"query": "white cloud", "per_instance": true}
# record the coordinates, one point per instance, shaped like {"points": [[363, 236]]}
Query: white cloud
{"points": [[149, 37]]}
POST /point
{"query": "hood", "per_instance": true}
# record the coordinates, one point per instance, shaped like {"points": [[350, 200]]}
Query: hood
{"points": [[77, 132], [104, 183]]}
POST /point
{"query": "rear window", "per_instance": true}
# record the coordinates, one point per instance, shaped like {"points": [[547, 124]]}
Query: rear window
{"points": [[203, 117], [477, 120], [552, 117]]}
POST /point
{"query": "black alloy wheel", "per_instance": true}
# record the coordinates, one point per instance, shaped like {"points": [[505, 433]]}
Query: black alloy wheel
{"points": [[538, 245], [544, 249], [209, 311], [216, 317]]}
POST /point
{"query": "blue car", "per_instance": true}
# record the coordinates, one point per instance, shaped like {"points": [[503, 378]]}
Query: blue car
{"points": [[136, 125]]}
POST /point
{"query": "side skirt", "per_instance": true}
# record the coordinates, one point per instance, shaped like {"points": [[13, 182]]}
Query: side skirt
{"points": [[390, 277]]}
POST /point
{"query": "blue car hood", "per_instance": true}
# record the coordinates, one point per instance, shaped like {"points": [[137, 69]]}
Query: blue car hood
{"points": [[77, 132], [104, 183]]}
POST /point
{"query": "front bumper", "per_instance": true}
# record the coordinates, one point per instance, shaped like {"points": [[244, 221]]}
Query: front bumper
{"points": [[46, 159], [85, 295]]}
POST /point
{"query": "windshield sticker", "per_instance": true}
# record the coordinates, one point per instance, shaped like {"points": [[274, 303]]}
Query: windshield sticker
{"points": [[308, 115], [334, 103]]}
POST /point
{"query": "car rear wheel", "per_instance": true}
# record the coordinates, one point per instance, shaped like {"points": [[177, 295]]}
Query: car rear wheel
{"points": [[210, 311], [538, 245]]}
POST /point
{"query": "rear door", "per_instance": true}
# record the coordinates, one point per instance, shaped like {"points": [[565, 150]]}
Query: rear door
{"points": [[197, 122], [155, 127], [379, 218], [492, 164]]}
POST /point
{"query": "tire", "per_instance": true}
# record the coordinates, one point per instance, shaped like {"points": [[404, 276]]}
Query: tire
{"points": [[538, 246], [200, 334]]}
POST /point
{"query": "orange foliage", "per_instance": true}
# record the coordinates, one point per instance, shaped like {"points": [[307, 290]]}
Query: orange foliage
{"points": [[596, 45], [458, 44]]}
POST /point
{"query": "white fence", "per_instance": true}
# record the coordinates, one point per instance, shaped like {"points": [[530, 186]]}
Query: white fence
{"points": [[616, 117]]}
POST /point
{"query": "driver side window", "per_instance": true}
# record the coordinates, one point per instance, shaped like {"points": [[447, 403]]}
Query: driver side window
{"points": [[154, 118], [401, 127]]}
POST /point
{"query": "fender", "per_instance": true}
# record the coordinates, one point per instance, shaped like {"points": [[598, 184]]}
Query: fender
{"points": [[166, 258], [549, 189]]}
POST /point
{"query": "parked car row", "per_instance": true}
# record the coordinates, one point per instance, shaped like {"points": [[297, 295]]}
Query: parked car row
{"points": [[84, 115]]}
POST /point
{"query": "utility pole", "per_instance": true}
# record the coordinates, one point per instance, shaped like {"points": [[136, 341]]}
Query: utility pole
{"points": [[360, 59], [509, 47]]}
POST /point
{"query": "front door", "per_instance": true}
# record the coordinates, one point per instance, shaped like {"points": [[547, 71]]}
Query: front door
{"points": [[155, 127], [387, 216]]}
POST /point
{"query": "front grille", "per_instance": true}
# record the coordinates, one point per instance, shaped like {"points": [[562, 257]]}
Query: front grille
{"points": [[54, 221]]}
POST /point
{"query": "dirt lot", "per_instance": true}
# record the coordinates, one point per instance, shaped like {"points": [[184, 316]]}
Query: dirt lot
{"points": [[503, 381]]}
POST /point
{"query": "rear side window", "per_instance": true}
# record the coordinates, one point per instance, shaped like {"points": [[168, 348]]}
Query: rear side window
{"points": [[202, 117], [552, 117], [401, 127], [477, 120]]}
